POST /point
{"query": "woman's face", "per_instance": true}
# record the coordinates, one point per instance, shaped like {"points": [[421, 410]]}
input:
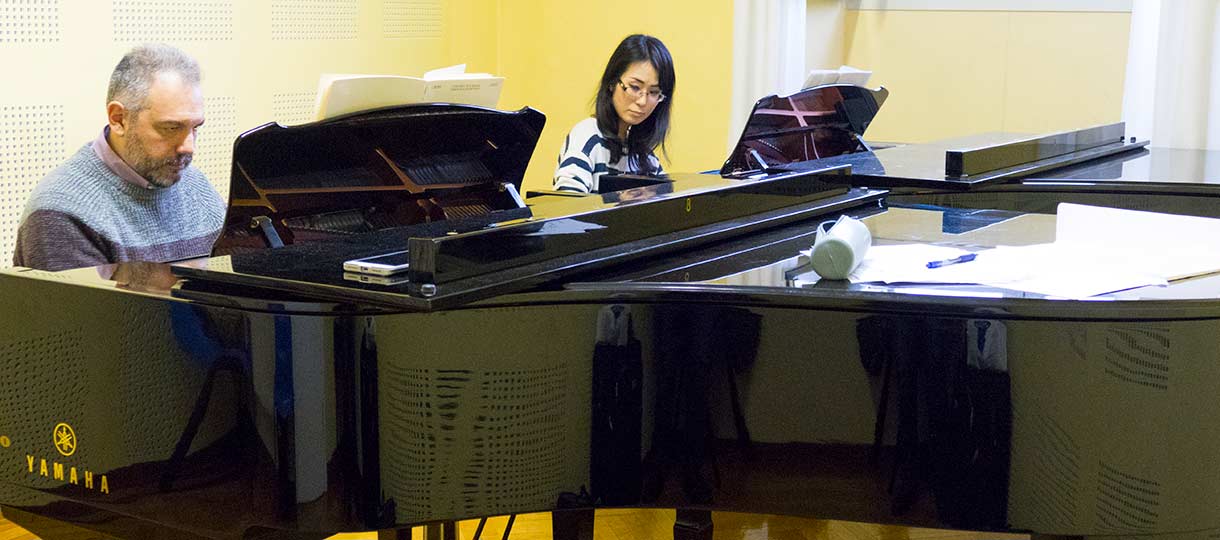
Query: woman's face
{"points": [[636, 93]]}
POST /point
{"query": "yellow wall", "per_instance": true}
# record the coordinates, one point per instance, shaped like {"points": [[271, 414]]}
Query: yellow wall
{"points": [[260, 63], [957, 73], [552, 53]]}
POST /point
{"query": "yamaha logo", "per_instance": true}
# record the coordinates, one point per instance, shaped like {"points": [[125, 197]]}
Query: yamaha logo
{"points": [[65, 439]]}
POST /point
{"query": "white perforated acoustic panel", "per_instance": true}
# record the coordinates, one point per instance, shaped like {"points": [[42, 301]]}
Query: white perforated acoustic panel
{"points": [[155, 359], [293, 108], [473, 442], [313, 19], [35, 398], [412, 18], [214, 142], [1056, 473], [29, 21], [31, 144], [1138, 356], [1126, 502], [172, 21]]}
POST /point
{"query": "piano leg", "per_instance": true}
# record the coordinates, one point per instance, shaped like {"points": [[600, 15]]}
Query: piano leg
{"points": [[693, 525], [446, 530], [572, 524], [437, 531]]}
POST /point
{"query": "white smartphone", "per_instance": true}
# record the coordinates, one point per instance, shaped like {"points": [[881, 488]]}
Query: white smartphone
{"points": [[376, 280], [379, 265]]}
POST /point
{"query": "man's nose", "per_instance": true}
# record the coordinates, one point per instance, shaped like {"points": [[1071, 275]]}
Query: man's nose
{"points": [[187, 146]]}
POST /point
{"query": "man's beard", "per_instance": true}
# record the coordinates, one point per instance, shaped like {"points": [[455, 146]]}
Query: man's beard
{"points": [[161, 173]]}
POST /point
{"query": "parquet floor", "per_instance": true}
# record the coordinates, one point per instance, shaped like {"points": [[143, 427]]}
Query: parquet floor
{"points": [[658, 525]]}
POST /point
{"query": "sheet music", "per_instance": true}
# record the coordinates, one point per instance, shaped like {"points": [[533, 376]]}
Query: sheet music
{"points": [[842, 75], [343, 93]]}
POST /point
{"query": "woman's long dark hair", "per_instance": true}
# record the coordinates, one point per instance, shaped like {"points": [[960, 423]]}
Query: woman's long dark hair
{"points": [[650, 133]]}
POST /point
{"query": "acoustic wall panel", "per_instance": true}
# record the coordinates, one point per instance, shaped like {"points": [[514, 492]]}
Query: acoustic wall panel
{"points": [[412, 19], [29, 21], [141, 21], [292, 108], [214, 142], [313, 19], [31, 144]]}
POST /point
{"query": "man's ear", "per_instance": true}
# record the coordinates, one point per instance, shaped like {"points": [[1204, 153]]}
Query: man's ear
{"points": [[118, 117]]}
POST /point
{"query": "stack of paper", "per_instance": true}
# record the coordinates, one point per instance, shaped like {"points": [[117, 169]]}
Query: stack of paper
{"points": [[843, 75], [1096, 251], [340, 93]]}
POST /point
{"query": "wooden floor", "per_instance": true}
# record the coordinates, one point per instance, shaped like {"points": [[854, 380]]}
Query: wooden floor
{"points": [[658, 525]]}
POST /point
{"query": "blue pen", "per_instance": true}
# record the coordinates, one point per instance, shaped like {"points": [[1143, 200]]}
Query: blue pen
{"points": [[960, 259]]}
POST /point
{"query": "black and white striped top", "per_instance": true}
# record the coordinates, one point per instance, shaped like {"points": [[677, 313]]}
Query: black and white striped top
{"points": [[585, 158]]}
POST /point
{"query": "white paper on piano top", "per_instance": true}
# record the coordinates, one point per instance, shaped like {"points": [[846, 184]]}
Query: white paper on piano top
{"points": [[1058, 270], [1170, 246], [1097, 250], [343, 93]]}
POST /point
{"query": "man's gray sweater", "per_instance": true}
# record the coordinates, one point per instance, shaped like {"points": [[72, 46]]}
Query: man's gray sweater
{"points": [[83, 214]]}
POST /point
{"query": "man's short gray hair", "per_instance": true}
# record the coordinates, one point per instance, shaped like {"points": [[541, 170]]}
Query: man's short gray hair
{"points": [[138, 69]]}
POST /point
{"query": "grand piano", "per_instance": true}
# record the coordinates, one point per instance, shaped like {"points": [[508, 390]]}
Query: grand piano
{"points": [[665, 345]]}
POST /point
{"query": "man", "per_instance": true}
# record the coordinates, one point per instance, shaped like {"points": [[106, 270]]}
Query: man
{"points": [[131, 194]]}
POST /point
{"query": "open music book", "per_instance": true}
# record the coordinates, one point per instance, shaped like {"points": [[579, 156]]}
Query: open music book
{"points": [[843, 75], [342, 93]]}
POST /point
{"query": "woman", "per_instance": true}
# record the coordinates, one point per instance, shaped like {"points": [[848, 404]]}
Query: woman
{"points": [[631, 118]]}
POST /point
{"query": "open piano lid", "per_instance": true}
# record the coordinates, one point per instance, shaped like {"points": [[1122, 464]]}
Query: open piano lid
{"points": [[374, 170], [814, 123]]}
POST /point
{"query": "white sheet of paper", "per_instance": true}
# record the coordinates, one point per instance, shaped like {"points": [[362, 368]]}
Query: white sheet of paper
{"points": [[448, 71], [1167, 245], [1050, 269], [1061, 270], [343, 93]]}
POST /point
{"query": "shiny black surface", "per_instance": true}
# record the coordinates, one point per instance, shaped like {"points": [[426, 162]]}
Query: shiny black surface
{"points": [[814, 123], [1178, 181], [737, 394], [973, 161], [447, 269], [922, 166], [267, 397], [375, 170], [1155, 165], [705, 378]]}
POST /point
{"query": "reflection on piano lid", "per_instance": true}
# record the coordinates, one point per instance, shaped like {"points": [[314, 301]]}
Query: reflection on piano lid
{"points": [[814, 123], [377, 170], [975, 161]]}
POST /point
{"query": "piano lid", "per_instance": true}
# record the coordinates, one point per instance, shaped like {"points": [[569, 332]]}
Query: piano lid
{"points": [[814, 123], [374, 170]]}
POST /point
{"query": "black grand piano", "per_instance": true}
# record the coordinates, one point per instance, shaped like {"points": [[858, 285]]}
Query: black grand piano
{"points": [[662, 346]]}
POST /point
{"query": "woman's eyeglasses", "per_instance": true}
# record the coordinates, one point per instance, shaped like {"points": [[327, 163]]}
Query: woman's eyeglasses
{"points": [[636, 91]]}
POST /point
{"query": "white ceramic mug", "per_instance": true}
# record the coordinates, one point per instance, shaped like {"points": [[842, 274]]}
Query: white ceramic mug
{"points": [[840, 248]]}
